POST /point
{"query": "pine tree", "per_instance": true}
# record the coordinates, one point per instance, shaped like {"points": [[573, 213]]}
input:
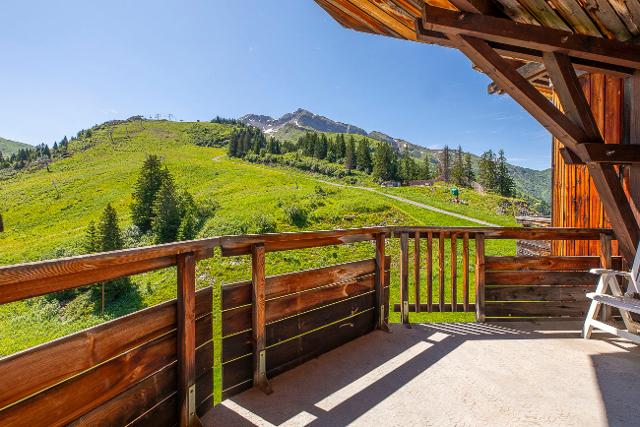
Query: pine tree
{"points": [[445, 165], [190, 218], [457, 170], [91, 239], [166, 213], [407, 169], [233, 146], [152, 175], [505, 185], [109, 235], [363, 156], [385, 163], [426, 167], [469, 175], [350, 154], [487, 174]]}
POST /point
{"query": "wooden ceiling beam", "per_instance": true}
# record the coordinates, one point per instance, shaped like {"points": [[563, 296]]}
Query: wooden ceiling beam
{"points": [[533, 37], [567, 86], [484, 7]]}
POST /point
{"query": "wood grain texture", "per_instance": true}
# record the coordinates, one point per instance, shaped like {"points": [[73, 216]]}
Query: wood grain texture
{"points": [[543, 263], [536, 309], [381, 296], [441, 295], [186, 334], [454, 272], [480, 278], [429, 270], [404, 276], [573, 278], [465, 271]]}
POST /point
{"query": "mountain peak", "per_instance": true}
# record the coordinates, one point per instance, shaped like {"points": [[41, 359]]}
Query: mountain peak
{"points": [[303, 119]]}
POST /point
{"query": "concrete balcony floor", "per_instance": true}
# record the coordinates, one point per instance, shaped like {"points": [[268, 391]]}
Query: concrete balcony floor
{"points": [[508, 374]]}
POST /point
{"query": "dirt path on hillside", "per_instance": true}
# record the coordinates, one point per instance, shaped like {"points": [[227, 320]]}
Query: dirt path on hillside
{"points": [[414, 203]]}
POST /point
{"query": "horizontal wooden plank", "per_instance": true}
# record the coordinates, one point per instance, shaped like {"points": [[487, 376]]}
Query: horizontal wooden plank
{"points": [[241, 245], [537, 293], [238, 294], [280, 308], [540, 278], [241, 344], [75, 397], [534, 309], [52, 362], [435, 308], [163, 413], [545, 263]]}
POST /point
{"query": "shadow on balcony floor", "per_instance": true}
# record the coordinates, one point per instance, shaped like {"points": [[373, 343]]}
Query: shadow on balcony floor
{"points": [[454, 374]]}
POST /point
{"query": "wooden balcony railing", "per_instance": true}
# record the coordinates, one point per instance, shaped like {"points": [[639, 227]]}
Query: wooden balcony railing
{"points": [[156, 366]]}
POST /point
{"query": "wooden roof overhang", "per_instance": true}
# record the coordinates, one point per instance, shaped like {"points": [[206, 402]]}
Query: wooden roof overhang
{"points": [[525, 45]]}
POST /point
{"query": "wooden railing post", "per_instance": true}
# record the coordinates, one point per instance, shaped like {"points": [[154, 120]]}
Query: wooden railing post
{"points": [[186, 334], [605, 262], [416, 270], [454, 272], [479, 277], [259, 318], [404, 277], [382, 297]]}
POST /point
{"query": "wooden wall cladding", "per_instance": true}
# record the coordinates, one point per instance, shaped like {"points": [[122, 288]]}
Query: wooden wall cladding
{"points": [[575, 201], [539, 287], [308, 313], [120, 372]]}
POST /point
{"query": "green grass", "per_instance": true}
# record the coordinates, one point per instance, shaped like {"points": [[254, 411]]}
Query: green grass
{"points": [[46, 213], [8, 147]]}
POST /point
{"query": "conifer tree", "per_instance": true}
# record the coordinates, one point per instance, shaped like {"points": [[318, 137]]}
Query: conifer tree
{"points": [[363, 156], [505, 185], [445, 165], [109, 235], [426, 167], [350, 154], [385, 163], [457, 170], [91, 240], [469, 175], [487, 174], [407, 169], [151, 178], [166, 213]]}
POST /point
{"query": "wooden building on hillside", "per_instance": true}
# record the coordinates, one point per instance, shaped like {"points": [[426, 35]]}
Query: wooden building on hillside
{"points": [[546, 50]]}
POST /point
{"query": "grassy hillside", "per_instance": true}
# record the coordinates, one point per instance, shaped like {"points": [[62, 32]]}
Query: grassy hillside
{"points": [[8, 147], [46, 214]]}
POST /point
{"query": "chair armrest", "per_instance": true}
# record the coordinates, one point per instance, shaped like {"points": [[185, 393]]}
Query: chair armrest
{"points": [[608, 271]]}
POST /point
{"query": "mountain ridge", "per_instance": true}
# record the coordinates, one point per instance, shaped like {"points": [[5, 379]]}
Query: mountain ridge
{"points": [[9, 147]]}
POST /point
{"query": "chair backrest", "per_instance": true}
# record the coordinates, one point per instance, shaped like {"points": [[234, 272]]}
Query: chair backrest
{"points": [[635, 271]]}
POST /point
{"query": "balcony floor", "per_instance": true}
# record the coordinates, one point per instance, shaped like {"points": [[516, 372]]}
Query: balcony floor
{"points": [[511, 374]]}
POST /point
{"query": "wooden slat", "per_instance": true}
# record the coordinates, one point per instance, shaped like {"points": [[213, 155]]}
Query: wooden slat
{"points": [[545, 14], [575, 15], [525, 233], [404, 276], [238, 294], [186, 333], [540, 278], [607, 19], [279, 308], [480, 278], [241, 245], [537, 293], [441, 271], [76, 353], [454, 272], [465, 270], [544, 263], [447, 308], [429, 271], [534, 309], [416, 271]]}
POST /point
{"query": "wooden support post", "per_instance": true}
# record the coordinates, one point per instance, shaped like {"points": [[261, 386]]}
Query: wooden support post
{"points": [[404, 277], [416, 270], [381, 296], [632, 100], [441, 271], [465, 271], [479, 277], [454, 273], [259, 317], [186, 333], [429, 271]]}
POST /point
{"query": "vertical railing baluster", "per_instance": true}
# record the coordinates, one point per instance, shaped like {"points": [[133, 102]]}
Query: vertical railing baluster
{"points": [[441, 271], [259, 317], [382, 298], [480, 277], [465, 271], [429, 271], [454, 272], [404, 277], [186, 339], [416, 270]]}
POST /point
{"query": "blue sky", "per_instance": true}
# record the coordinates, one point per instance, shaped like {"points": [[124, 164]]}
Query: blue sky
{"points": [[69, 64]]}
